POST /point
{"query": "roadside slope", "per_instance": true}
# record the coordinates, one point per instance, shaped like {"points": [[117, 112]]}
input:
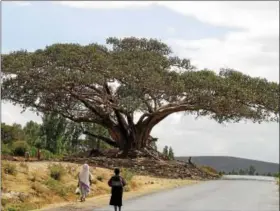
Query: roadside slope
{"points": [[29, 185]]}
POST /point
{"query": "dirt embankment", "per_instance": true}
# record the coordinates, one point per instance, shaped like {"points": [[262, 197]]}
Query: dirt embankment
{"points": [[147, 166], [29, 185]]}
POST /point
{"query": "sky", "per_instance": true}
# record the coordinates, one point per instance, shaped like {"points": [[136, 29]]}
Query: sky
{"points": [[240, 35]]}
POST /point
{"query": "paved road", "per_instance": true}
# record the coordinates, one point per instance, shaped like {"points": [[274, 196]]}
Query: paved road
{"points": [[223, 195]]}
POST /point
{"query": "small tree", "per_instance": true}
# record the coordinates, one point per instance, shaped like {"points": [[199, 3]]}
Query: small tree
{"points": [[269, 174], [165, 151], [233, 172], [252, 170], [241, 172], [170, 153]]}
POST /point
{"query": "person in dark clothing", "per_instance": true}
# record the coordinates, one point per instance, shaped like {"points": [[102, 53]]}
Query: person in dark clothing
{"points": [[116, 183]]}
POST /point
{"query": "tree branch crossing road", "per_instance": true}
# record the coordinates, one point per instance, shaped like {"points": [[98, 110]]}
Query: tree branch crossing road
{"points": [[230, 194]]}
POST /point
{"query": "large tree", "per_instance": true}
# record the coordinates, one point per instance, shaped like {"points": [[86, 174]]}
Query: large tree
{"points": [[108, 85]]}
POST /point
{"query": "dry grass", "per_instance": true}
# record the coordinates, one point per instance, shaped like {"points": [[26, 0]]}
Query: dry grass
{"points": [[44, 183], [9, 168], [209, 170], [36, 187]]}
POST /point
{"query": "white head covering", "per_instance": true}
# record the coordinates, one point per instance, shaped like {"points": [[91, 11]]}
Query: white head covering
{"points": [[84, 175]]}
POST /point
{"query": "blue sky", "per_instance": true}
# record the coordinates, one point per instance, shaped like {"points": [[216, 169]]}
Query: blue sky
{"points": [[43, 23], [240, 35]]}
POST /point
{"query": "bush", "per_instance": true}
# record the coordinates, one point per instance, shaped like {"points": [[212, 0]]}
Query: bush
{"points": [[127, 188], [39, 188], [4, 201], [5, 150], [133, 185], [12, 209], [209, 170], [33, 151], [57, 171], [57, 187], [19, 148], [24, 166], [9, 168], [47, 155], [34, 176], [100, 178], [127, 174]]}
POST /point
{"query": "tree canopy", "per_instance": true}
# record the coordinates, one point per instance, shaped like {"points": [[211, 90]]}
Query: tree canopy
{"points": [[108, 84]]}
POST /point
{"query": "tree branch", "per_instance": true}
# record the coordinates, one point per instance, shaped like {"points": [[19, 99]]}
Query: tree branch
{"points": [[105, 139]]}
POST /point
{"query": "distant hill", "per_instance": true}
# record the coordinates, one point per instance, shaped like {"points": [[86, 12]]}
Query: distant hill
{"points": [[227, 164]]}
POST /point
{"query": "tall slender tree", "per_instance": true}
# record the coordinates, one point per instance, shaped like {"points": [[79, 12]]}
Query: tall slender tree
{"points": [[53, 132], [170, 153], [165, 151], [32, 132]]}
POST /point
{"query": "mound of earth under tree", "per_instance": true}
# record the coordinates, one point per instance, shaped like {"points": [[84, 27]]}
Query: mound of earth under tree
{"points": [[146, 162]]}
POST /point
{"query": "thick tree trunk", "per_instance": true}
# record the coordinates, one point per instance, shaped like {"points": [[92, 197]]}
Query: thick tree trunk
{"points": [[136, 139], [128, 136]]}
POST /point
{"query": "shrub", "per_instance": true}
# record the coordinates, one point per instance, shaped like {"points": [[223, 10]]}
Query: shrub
{"points": [[94, 181], [133, 185], [9, 168], [33, 151], [209, 170], [5, 150], [70, 169], [47, 155], [57, 171], [19, 148], [12, 209], [127, 174], [57, 187], [24, 166], [4, 201], [127, 188], [34, 176], [38, 188], [100, 178]]}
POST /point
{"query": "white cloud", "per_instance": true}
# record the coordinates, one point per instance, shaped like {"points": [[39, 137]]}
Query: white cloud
{"points": [[103, 4], [191, 137], [236, 14], [171, 31], [253, 50], [21, 3], [237, 51], [11, 114]]}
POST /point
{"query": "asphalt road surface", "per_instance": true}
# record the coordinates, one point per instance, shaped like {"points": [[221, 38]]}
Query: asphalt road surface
{"points": [[231, 194]]}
